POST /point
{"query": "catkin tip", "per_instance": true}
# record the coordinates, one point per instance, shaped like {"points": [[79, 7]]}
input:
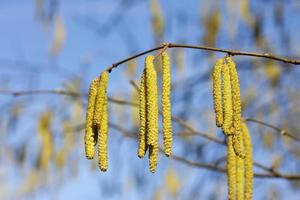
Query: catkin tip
{"points": [[231, 169], [153, 158]]}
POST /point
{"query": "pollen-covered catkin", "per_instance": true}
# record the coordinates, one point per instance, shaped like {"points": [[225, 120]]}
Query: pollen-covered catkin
{"points": [[248, 162], [100, 98], [240, 172], [103, 137], [153, 157], [89, 138], [142, 111], [217, 92], [166, 104], [231, 169], [227, 100], [236, 107], [152, 102]]}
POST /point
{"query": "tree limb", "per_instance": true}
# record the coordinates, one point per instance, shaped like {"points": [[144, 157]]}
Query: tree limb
{"points": [[206, 48]]}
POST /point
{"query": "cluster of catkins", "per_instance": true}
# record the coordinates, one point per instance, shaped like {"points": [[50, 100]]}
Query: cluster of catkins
{"points": [[227, 105], [148, 108], [96, 127], [96, 130]]}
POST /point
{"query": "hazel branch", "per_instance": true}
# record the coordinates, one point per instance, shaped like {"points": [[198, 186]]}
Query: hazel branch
{"points": [[206, 48]]}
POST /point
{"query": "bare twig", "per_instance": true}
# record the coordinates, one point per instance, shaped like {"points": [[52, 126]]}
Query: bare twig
{"points": [[123, 102], [279, 130], [213, 167], [36, 92], [206, 48]]}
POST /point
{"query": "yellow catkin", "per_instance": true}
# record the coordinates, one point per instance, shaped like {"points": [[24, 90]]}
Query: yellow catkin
{"points": [[89, 138], [102, 138], [217, 92], [153, 158], [248, 162], [100, 98], [236, 107], [240, 172], [166, 104], [231, 169], [227, 100], [142, 111], [152, 101]]}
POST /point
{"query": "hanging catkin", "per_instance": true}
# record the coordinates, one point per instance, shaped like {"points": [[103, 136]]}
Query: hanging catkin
{"points": [[152, 112], [166, 104], [240, 173], [248, 162], [101, 120], [236, 108], [217, 92], [152, 102], [89, 138], [142, 111], [100, 98], [231, 169], [227, 100], [102, 138]]}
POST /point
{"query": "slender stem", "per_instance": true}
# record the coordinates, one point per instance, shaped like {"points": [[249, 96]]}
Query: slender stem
{"points": [[211, 166], [279, 130], [206, 48], [36, 92], [132, 57]]}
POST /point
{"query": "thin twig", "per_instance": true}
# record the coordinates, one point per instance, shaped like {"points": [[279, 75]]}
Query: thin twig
{"points": [[209, 166], [123, 102], [206, 48], [36, 92], [279, 130]]}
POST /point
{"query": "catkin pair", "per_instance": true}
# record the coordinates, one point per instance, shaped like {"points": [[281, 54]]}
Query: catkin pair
{"points": [[239, 170], [236, 108], [148, 110], [222, 96], [96, 129], [227, 103], [144, 122]]}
